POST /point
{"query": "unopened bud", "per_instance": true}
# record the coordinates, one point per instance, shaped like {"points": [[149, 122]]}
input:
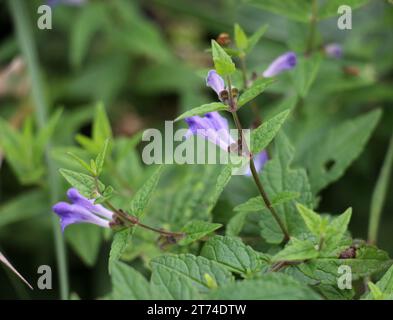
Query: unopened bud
{"points": [[223, 39]]}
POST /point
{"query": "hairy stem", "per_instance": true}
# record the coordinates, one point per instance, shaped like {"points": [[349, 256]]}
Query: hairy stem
{"points": [[27, 47], [243, 145]]}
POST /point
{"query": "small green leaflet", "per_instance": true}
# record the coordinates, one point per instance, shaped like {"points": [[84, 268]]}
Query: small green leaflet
{"points": [[140, 200], [196, 230], [203, 109], [241, 39], [129, 284], [232, 254], [256, 36], [256, 89], [85, 184], [101, 158], [297, 250], [264, 134], [184, 276], [222, 61]]}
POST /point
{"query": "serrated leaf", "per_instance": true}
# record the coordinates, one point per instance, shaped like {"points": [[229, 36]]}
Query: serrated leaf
{"points": [[264, 134], [129, 284], [197, 229], [81, 162], [222, 61], [85, 184], [272, 286], [312, 220], [101, 126], [297, 250], [278, 176], [235, 224], [119, 243], [183, 276], [241, 39], [101, 158], [141, 199], [336, 230], [203, 109], [257, 203], [343, 144], [256, 89], [384, 285], [232, 254], [369, 260]]}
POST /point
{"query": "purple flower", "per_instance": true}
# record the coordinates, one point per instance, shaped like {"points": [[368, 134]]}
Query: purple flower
{"points": [[212, 127], [333, 50], [284, 62], [214, 81], [81, 210], [259, 160]]}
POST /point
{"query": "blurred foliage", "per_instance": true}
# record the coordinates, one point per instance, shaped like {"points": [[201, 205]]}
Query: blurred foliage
{"points": [[145, 62]]}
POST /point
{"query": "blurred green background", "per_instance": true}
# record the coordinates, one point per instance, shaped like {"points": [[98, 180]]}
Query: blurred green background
{"points": [[146, 61]]}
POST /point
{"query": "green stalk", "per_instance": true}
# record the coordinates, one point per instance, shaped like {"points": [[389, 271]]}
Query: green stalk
{"points": [[379, 194], [313, 27], [27, 46]]}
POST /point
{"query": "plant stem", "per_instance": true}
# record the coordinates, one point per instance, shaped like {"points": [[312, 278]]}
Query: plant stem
{"points": [[313, 26], [379, 194], [254, 172], [27, 47]]}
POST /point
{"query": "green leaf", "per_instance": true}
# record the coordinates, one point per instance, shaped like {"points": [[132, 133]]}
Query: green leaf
{"points": [[235, 224], [256, 89], [232, 254], [264, 134], [203, 109], [85, 240], [257, 35], [101, 126], [343, 144], [278, 176], [336, 230], [257, 203], [119, 244], [81, 162], [141, 199], [192, 195], [101, 158], [272, 286], [297, 250], [312, 219], [369, 260], [27, 205], [298, 10], [379, 193], [196, 230], [241, 39], [85, 184], [384, 286], [184, 276], [329, 8], [222, 61], [129, 284], [305, 73]]}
